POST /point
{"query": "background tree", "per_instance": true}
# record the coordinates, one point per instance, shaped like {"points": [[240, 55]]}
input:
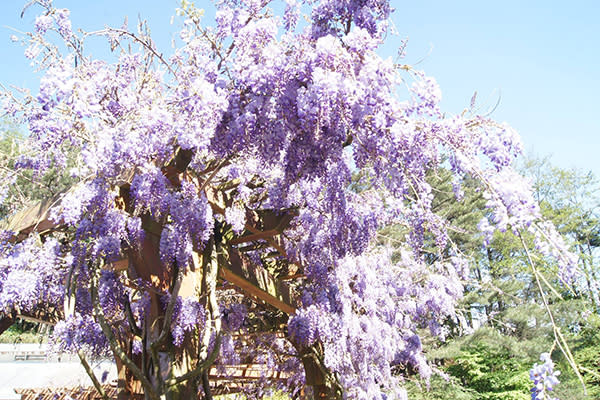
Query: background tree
{"points": [[570, 199], [494, 361], [23, 187]]}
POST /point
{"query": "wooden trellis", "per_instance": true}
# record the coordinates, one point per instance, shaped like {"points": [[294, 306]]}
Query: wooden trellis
{"points": [[254, 281]]}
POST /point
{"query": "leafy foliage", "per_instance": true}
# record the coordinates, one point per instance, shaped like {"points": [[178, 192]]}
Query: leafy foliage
{"points": [[495, 360], [491, 368], [22, 187]]}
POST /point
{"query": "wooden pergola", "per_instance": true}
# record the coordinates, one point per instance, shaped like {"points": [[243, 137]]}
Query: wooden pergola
{"points": [[276, 292], [227, 379]]}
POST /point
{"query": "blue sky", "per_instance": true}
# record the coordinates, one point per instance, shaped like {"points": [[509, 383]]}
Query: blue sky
{"points": [[541, 58]]}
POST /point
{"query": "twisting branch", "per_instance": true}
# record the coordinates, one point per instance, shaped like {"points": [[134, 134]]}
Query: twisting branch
{"points": [[560, 339], [112, 340], [166, 327], [131, 319], [201, 367], [213, 174], [92, 375], [124, 32], [206, 386], [210, 268], [69, 302], [147, 45]]}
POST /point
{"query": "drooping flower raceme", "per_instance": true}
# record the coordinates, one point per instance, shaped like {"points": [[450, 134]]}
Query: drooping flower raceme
{"points": [[32, 274], [544, 379]]}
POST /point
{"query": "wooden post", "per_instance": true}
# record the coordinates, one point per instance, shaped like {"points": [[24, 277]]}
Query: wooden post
{"points": [[6, 322]]}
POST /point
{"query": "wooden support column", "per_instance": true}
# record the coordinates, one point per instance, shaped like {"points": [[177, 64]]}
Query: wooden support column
{"points": [[6, 322]]}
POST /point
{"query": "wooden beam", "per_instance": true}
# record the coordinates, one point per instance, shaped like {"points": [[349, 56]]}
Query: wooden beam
{"points": [[245, 372], [257, 282], [36, 320], [248, 277], [254, 236], [34, 218], [252, 279], [119, 265]]}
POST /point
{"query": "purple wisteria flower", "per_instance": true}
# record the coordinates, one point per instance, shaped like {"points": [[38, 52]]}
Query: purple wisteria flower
{"points": [[79, 332], [43, 23], [544, 379], [188, 316]]}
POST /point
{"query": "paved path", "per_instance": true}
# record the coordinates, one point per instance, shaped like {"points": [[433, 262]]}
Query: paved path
{"points": [[25, 374], [27, 366]]}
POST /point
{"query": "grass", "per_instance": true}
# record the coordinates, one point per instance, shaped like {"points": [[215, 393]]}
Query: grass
{"points": [[22, 333]]}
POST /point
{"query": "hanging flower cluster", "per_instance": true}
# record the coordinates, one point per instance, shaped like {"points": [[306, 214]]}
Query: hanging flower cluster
{"points": [[544, 378]]}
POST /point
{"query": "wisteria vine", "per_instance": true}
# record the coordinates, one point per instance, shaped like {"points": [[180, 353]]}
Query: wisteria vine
{"points": [[273, 114]]}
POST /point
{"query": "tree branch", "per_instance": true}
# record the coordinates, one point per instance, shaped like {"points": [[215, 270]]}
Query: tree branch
{"points": [[114, 345], [560, 339], [210, 275], [92, 375]]}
